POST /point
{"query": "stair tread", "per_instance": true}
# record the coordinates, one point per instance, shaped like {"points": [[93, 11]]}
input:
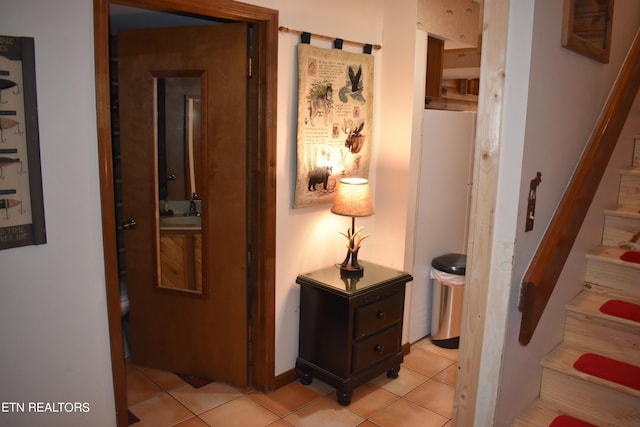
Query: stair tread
{"points": [[543, 412], [611, 255], [589, 302], [627, 211], [565, 355], [632, 170]]}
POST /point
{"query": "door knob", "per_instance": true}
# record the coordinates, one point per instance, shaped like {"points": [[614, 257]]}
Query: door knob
{"points": [[130, 223]]}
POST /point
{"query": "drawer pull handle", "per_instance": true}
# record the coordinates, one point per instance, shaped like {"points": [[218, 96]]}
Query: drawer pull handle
{"points": [[380, 315], [378, 348]]}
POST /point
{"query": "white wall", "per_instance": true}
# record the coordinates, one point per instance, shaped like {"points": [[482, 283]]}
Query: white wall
{"points": [[53, 320], [396, 123], [399, 125], [443, 195], [564, 96]]}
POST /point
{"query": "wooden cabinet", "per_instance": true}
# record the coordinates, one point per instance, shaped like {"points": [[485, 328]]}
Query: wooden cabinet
{"points": [[350, 328]]}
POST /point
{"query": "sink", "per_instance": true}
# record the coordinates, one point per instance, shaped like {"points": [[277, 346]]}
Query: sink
{"points": [[180, 222]]}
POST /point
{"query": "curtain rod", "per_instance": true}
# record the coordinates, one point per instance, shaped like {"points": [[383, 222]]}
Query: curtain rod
{"points": [[320, 36]]}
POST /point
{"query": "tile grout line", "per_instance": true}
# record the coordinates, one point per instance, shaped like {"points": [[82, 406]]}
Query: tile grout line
{"points": [[423, 379]]}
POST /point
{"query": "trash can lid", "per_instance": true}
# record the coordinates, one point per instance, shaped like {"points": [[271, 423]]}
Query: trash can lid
{"points": [[451, 263]]}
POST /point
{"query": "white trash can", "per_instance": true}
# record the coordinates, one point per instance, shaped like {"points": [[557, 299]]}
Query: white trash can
{"points": [[448, 274]]}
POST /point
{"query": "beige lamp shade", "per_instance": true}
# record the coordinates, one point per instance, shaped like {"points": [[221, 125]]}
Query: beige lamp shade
{"points": [[353, 198]]}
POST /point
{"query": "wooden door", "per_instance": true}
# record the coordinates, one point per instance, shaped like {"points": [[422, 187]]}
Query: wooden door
{"points": [[200, 333]]}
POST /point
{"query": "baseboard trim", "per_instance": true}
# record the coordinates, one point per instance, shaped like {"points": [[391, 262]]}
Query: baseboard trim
{"points": [[290, 375], [406, 349], [285, 378]]}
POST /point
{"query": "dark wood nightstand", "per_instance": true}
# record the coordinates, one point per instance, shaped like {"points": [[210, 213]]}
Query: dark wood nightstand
{"points": [[350, 328]]}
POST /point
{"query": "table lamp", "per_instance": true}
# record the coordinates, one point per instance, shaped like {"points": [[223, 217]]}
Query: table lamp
{"points": [[353, 198]]}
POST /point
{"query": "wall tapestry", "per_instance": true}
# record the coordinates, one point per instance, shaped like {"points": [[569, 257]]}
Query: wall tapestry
{"points": [[21, 205], [335, 100]]}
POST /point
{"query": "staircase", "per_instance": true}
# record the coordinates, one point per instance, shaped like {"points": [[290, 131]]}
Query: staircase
{"points": [[570, 397]]}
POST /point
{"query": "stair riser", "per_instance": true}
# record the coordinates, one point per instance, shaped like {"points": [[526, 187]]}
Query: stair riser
{"points": [[595, 401], [614, 276], [629, 193], [605, 337], [619, 229]]}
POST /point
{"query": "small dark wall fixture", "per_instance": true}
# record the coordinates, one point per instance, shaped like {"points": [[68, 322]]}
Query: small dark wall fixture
{"points": [[21, 204], [531, 202]]}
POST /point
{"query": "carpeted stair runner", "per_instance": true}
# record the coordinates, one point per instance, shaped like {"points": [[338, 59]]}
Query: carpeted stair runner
{"points": [[609, 369], [567, 421], [631, 256], [622, 309]]}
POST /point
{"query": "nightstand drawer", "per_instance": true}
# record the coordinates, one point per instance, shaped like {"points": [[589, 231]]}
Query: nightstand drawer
{"points": [[370, 351], [378, 315]]}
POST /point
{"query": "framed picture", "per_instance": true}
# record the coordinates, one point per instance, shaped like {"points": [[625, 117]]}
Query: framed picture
{"points": [[21, 204], [587, 27]]}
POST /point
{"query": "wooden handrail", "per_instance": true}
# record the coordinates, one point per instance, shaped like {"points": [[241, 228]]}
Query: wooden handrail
{"points": [[551, 255]]}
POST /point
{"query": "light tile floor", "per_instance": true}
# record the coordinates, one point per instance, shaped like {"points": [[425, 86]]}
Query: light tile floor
{"points": [[422, 396]]}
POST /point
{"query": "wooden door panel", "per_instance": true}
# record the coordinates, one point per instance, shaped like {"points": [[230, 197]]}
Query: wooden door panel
{"points": [[203, 334]]}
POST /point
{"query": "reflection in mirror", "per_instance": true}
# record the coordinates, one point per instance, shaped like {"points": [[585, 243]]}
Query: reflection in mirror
{"points": [[181, 260], [192, 120], [178, 106], [178, 109]]}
